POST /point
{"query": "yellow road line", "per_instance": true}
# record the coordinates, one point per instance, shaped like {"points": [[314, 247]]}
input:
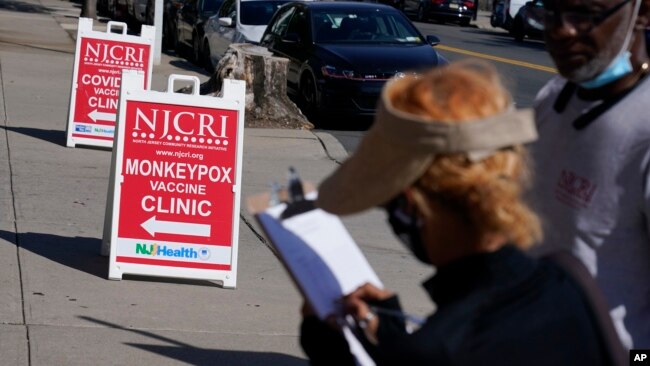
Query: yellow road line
{"points": [[498, 59]]}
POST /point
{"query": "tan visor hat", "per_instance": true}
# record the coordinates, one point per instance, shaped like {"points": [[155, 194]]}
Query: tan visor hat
{"points": [[400, 146]]}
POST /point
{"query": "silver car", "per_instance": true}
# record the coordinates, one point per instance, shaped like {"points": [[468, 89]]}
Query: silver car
{"points": [[237, 21]]}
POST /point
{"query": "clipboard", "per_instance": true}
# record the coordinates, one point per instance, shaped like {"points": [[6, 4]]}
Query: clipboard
{"points": [[315, 248]]}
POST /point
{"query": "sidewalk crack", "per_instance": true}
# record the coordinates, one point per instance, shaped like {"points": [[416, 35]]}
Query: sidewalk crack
{"points": [[259, 236], [13, 202]]}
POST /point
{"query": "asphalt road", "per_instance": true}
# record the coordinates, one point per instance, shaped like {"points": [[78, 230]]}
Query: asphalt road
{"points": [[524, 66]]}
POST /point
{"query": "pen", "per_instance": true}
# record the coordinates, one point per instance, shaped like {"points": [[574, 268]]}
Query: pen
{"points": [[400, 314]]}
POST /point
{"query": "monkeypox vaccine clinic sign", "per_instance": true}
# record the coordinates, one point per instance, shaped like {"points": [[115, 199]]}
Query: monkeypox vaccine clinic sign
{"points": [[99, 60], [175, 182]]}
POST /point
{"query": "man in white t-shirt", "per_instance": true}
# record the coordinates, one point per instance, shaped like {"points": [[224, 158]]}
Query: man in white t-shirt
{"points": [[592, 161]]}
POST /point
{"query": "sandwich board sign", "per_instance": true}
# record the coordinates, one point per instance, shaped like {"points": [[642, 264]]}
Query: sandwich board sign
{"points": [[174, 193], [99, 60]]}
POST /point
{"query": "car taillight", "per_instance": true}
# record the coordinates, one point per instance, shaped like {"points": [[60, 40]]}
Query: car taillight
{"points": [[437, 2], [469, 4]]}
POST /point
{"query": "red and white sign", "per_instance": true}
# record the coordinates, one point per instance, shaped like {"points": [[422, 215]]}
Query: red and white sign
{"points": [[175, 182], [99, 61]]}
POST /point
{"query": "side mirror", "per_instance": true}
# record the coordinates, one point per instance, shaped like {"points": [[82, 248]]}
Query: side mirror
{"points": [[291, 38], [225, 22], [433, 40]]}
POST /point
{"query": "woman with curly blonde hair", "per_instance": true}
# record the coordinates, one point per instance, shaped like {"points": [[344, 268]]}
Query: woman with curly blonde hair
{"points": [[445, 159]]}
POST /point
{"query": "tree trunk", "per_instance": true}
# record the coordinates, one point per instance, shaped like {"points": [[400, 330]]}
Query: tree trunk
{"points": [[89, 9], [267, 104]]}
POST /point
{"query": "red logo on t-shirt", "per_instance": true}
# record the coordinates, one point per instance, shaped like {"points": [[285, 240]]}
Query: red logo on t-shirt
{"points": [[574, 190]]}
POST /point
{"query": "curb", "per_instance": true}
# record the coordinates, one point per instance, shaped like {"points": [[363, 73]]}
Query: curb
{"points": [[332, 146]]}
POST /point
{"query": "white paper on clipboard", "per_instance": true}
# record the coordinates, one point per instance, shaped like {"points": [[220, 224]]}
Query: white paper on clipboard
{"points": [[323, 260], [320, 255]]}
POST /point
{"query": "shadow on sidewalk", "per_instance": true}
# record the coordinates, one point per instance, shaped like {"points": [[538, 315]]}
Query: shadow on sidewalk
{"points": [[22, 7], [187, 65], [189, 354], [76, 252], [82, 253], [54, 136]]}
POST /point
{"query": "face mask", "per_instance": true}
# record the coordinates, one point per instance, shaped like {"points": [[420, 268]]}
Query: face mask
{"points": [[407, 228], [620, 65]]}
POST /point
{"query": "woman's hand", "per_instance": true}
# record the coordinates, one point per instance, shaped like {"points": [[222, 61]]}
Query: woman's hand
{"points": [[306, 310], [356, 304]]}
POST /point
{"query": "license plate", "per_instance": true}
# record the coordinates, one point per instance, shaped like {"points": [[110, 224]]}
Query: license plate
{"points": [[453, 6]]}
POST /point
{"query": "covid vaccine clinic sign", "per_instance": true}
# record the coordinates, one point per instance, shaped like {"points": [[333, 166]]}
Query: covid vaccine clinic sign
{"points": [[174, 195], [99, 60]]}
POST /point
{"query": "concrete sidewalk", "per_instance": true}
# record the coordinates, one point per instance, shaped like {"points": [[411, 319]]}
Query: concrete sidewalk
{"points": [[58, 308]]}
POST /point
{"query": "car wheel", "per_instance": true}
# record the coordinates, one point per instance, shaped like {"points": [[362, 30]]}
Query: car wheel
{"points": [[196, 50], [422, 17], [495, 20], [169, 35], [149, 19], [207, 57], [110, 9], [178, 45], [518, 30], [308, 99]]}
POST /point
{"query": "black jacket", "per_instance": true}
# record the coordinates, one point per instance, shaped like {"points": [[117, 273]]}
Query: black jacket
{"points": [[502, 308]]}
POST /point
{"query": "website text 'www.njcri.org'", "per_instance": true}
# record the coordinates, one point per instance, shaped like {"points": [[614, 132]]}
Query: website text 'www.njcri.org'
{"points": [[179, 154]]}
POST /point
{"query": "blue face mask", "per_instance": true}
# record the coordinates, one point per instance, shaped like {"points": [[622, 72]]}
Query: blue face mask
{"points": [[619, 67]]}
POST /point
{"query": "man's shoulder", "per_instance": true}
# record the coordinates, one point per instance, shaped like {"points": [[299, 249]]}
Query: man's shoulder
{"points": [[550, 90]]}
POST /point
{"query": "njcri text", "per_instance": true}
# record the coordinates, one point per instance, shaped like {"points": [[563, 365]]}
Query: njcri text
{"points": [[176, 122], [116, 52]]}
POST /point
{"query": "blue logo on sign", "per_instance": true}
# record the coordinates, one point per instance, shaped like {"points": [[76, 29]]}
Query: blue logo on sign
{"points": [[82, 128], [204, 253]]}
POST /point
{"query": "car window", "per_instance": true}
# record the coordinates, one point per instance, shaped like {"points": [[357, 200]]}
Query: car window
{"points": [[363, 26], [228, 9], [259, 12], [282, 22], [299, 25], [210, 5]]}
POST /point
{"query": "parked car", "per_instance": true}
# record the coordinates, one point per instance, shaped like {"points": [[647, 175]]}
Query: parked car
{"points": [[114, 9], [529, 21], [102, 8], [237, 21], [190, 22], [136, 12], [169, 13], [504, 11], [461, 11], [341, 53]]}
